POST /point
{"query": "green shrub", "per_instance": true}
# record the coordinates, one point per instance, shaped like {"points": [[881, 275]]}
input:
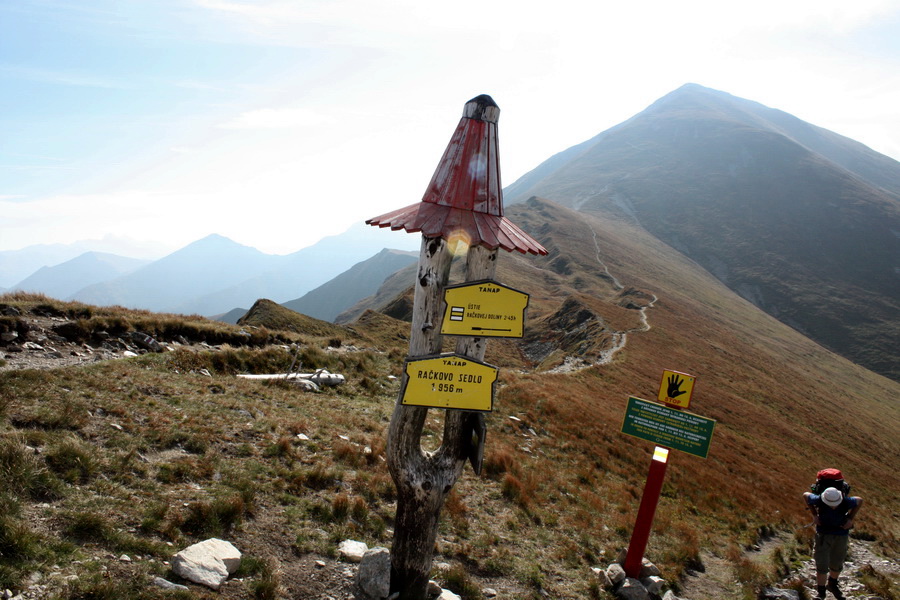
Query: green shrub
{"points": [[457, 580], [83, 527], [213, 519], [18, 544], [72, 460], [22, 471], [268, 585]]}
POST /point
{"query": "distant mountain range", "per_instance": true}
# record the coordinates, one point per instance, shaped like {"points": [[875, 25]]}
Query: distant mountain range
{"points": [[801, 221], [17, 265], [66, 279], [211, 276]]}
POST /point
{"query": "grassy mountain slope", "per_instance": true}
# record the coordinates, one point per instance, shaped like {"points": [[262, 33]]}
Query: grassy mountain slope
{"points": [[268, 314], [785, 405], [330, 299], [134, 453], [796, 219]]}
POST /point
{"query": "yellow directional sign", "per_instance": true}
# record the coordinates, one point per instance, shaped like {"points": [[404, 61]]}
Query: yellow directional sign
{"points": [[675, 389], [485, 309], [449, 381]]}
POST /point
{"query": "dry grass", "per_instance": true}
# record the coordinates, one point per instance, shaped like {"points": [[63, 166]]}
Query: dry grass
{"points": [[174, 455]]}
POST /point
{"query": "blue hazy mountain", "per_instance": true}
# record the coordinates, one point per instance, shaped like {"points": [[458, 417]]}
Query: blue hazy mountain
{"points": [[215, 274], [360, 281], [65, 279], [16, 265]]}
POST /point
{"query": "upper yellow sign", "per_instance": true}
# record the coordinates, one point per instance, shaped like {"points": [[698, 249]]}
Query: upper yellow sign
{"points": [[485, 309], [676, 388], [449, 381]]}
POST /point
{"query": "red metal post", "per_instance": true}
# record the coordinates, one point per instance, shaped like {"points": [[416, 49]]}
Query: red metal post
{"points": [[644, 520]]}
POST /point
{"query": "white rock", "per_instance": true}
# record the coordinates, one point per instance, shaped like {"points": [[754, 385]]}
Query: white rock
{"points": [[208, 563], [352, 550], [448, 595]]}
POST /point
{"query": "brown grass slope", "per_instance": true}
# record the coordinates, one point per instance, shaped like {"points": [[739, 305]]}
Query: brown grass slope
{"points": [[798, 220], [785, 406], [123, 456]]}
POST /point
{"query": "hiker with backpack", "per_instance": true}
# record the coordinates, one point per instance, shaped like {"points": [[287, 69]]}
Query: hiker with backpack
{"points": [[833, 510]]}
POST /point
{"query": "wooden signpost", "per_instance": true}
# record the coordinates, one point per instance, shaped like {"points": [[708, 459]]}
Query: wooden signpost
{"points": [[670, 428], [463, 201]]}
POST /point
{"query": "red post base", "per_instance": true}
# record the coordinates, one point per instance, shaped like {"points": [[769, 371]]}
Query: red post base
{"points": [[644, 521]]}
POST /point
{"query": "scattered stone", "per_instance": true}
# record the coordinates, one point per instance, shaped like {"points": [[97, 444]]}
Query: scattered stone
{"points": [[448, 595], [168, 585], [124, 558], [433, 589], [373, 578], [352, 550], [489, 592], [615, 573], [129, 354], [602, 577], [653, 584], [8, 336], [632, 589], [648, 569], [779, 594], [207, 563], [146, 342], [303, 437]]}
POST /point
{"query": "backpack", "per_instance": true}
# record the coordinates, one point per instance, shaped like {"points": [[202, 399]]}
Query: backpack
{"points": [[827, 478]]}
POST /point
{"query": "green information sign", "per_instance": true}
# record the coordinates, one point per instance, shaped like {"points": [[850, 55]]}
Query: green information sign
{"points": [[668, 427]]}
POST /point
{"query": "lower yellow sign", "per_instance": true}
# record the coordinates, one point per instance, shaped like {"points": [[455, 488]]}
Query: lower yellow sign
{"points": [[449, 381]]}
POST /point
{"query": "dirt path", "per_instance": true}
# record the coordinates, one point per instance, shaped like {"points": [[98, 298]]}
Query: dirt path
{"points": [[720, 581]]}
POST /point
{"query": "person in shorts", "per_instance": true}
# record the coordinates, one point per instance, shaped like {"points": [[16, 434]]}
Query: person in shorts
{"points": [[833, 514]]}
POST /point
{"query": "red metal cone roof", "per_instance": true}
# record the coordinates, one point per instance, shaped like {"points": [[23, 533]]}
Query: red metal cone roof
{"points": [[465, 195]]}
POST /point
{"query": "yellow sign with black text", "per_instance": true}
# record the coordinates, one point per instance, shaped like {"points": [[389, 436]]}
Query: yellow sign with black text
{"points": [[485, 309], [449, 381], [675, 389]]}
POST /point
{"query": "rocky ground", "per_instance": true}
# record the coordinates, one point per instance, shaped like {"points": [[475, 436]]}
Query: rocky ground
{"points": [[718, 579], [41, 347]]}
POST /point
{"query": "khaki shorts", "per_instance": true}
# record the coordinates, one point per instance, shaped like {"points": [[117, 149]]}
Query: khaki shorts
{"points": [[830, 552]]}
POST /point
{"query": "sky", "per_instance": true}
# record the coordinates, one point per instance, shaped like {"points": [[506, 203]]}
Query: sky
{"points": [[278, 122]]}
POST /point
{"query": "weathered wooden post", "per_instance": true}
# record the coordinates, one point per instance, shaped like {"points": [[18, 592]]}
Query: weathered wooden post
{"points": [[463, 203]]}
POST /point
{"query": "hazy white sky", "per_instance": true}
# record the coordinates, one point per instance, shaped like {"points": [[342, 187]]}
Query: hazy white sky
{"points": [[277, 122]]}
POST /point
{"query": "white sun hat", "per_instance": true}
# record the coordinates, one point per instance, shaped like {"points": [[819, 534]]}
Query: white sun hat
{"points": [[832, 497]]}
